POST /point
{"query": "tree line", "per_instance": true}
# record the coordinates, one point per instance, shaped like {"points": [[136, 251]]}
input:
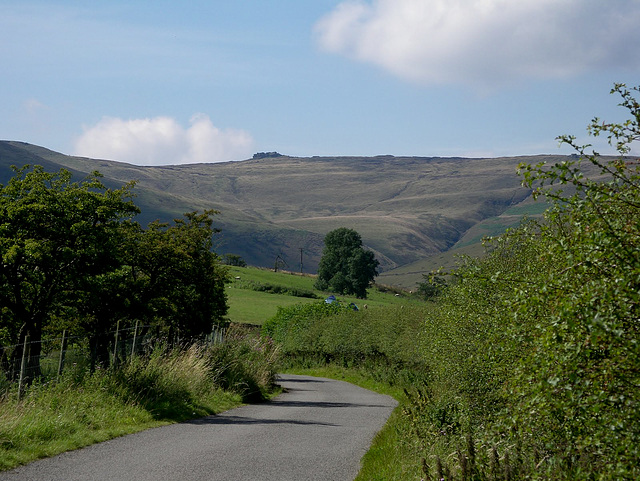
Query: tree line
{"points": [[73, 257]]}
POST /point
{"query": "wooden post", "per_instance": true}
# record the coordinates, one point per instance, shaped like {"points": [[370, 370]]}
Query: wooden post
{"points": [[135, 335], [115, 345], [63, 348], [214, 335], [23, 365]]}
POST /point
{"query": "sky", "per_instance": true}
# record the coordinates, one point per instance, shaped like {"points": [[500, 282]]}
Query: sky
{"points": [[172, 82]]}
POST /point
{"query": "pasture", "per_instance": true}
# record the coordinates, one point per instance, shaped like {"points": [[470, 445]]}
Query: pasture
{"points": [[252, 299]]}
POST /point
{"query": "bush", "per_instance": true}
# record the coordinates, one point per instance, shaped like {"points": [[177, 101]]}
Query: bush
{"points": [[380, 341], [290, 323], [276, 289]]}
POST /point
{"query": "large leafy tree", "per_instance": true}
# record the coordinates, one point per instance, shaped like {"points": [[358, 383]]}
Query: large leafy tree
{"points": [[179, 279], [168, 277], [346, 267], [54, 233]]}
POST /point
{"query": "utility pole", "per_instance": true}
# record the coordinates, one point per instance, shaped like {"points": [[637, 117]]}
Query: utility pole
{"points": [[300, 260]]}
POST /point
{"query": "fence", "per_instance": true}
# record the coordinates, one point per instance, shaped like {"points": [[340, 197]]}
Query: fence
{"points": [[20, 365]]}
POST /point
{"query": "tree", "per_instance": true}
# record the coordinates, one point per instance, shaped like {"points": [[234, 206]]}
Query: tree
{"points": [[431, 287], [54, 233], [179, 279], [346, 267], [234, 260], [72, 257]]}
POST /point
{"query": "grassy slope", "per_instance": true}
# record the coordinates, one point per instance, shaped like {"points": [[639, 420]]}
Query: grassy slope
{"points": [[470, 244], [415, 213], [405, 208]]}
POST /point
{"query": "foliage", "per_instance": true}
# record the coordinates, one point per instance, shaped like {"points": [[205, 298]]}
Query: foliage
{"points": [[72, 258], [346, 267], [54, 234], [431, 287], [582, 404], [536, 346], [234, 260], [276, 289], [245, 363], [380, 341], [531, 355], [295, 319], [179, 278]]}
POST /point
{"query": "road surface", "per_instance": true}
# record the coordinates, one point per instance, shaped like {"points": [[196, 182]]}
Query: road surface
{"points": [[317, 430]]}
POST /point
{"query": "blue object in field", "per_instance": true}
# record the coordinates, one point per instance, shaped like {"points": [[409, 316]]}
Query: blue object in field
{"points": [[332, 299]]}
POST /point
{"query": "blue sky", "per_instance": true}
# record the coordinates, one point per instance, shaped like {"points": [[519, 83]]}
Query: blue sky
{"points": [[169, 82]]}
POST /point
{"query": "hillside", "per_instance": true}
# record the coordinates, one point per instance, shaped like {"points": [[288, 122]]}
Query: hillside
{"points": [[407, 209]]}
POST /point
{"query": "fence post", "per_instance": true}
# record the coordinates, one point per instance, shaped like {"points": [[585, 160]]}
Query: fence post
{"points": [[115, 345], [23, 366], [135, 335], [63, 348]]}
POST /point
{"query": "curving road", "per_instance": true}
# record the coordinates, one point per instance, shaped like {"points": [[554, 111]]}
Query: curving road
{"points": [[317, 430]]}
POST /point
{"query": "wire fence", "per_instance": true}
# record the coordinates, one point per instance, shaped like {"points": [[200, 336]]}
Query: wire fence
{"points": [[48, 358]]}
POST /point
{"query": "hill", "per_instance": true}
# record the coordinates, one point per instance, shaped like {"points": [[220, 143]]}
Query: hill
{"points": [[407, 209]]}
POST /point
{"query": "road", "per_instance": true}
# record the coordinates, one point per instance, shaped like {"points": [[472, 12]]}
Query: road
{"points": [[319, 429]]}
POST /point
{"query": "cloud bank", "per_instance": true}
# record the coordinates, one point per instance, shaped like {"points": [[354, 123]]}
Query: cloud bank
{"points": [[163, 141], [485, 42]]}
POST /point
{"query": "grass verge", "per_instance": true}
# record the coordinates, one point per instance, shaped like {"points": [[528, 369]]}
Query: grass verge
{"points": [[62, 417], [166, 386], [392, 455]]}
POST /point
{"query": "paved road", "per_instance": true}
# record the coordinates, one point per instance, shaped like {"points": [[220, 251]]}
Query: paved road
{"points": [[317, 430]]}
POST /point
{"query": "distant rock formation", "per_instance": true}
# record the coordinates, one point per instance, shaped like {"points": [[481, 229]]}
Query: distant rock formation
{"points": [[266, 155]]}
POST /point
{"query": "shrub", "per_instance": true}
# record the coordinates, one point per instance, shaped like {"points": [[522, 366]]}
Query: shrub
{"points": [[245, 363]]}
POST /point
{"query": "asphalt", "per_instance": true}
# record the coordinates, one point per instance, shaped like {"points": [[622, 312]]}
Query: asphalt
{"points": [[318, 429]]}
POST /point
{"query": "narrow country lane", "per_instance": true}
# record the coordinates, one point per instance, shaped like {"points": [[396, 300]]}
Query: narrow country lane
{"points": [[318, 430]]}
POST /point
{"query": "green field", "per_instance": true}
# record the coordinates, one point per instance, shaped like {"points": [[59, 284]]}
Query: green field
{"points": [[249, 306]]}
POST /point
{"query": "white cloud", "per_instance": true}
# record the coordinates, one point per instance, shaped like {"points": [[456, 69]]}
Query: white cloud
{"points": [[163, 141], [485, 42]]}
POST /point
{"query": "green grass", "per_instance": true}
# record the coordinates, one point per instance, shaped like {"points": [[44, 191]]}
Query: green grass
{"points": [[283, 278], [63, 416], [255, 307], [251, 307]]}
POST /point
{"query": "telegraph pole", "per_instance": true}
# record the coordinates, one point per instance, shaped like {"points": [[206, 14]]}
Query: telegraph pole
{"points": [[300, 260]]}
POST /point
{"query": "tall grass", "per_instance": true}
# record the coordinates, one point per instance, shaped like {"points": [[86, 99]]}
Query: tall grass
{"points": [[166, 385]]}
